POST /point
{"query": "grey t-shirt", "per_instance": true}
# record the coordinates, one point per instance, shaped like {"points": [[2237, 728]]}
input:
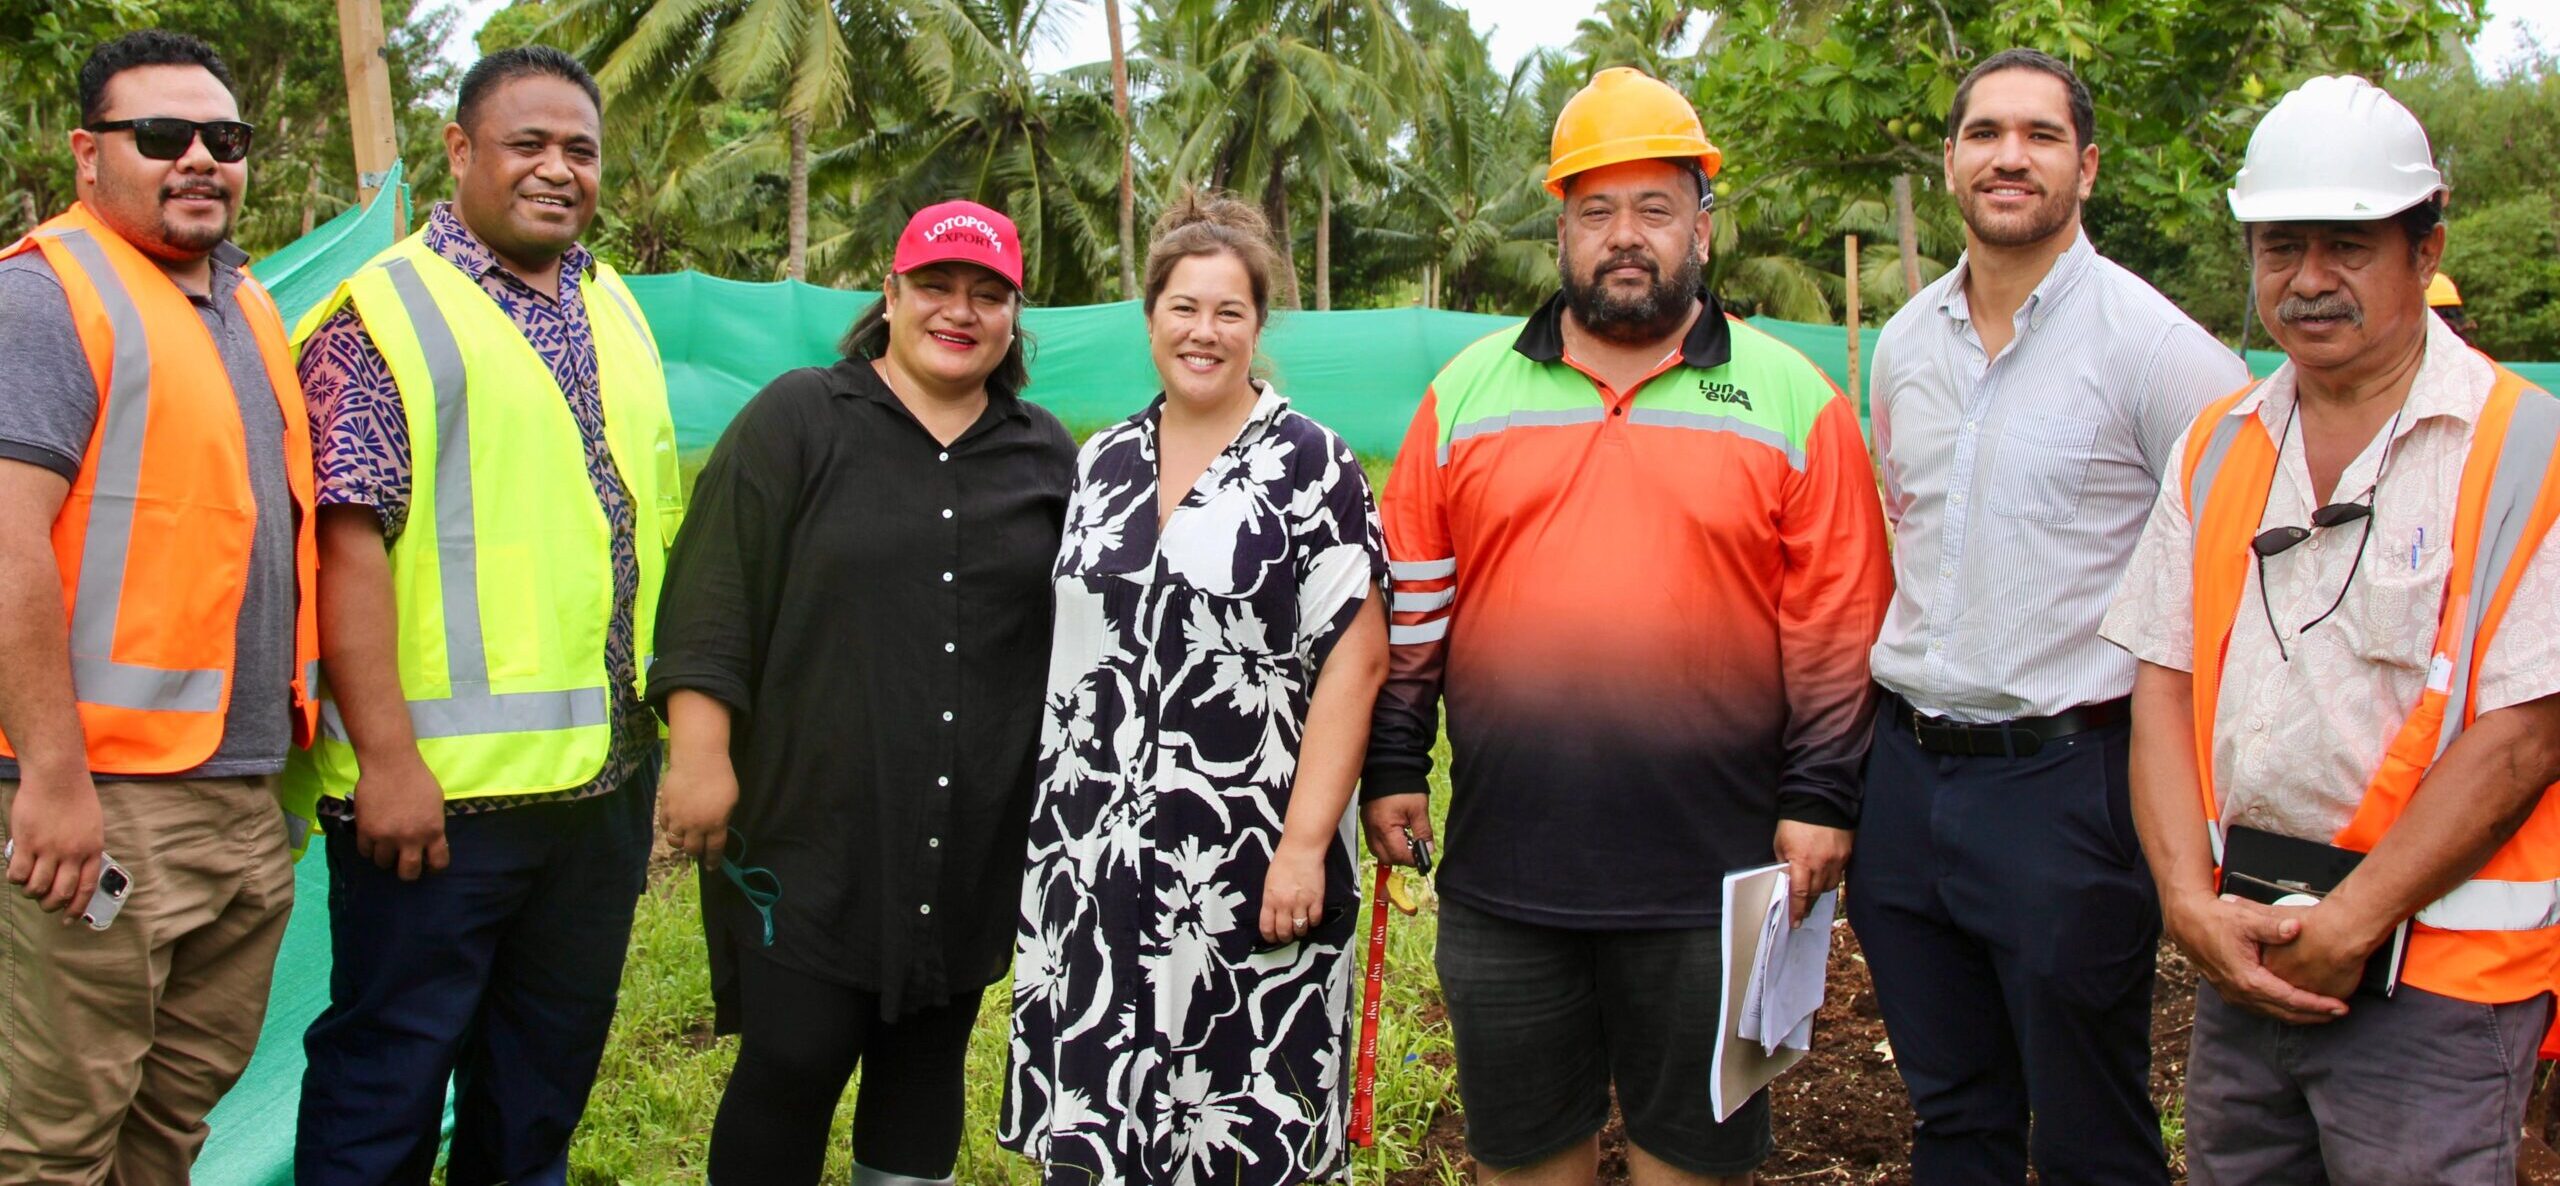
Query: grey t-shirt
{"points": [[48, 408]]}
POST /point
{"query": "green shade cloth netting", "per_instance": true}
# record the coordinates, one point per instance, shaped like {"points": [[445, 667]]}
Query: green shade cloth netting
{"points": [[1361, 373]]}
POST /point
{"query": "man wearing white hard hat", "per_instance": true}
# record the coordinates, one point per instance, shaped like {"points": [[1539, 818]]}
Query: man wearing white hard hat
{"points": [[2347, 710]]}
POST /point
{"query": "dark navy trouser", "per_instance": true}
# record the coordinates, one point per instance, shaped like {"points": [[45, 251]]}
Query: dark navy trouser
{"points": [[497, 975], [2011, 927]]}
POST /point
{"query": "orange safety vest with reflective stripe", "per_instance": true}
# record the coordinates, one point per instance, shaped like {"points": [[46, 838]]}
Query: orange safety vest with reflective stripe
{"points": [[2495, 938], [153, 540]]}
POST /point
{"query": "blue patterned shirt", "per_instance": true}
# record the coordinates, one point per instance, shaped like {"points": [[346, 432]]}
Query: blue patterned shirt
{"points": [[360, 448]]}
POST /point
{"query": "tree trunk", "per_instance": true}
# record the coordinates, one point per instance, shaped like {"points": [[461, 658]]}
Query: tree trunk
{"points": [[1850, 319], [1275, 207], [310, 194], [1128, 164], [1324, 243], [1907, 228], [797, 265]]}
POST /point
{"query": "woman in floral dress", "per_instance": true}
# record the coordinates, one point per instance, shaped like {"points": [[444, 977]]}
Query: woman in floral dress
{"points": [[1182, 985]]}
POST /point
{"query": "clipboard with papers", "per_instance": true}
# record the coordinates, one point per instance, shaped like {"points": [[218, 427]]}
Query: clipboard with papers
{"points": [[1773, 983]]}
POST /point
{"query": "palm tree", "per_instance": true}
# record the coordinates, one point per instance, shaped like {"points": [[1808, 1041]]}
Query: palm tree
{"points": [[1038, 148], [1259, 89], [796, 55]]}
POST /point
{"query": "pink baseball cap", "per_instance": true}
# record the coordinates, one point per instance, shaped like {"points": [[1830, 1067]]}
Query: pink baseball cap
{"points": [[961, 232]]}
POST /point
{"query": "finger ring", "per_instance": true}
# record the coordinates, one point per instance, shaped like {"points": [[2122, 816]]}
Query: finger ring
{"points": [[1302, 920]]}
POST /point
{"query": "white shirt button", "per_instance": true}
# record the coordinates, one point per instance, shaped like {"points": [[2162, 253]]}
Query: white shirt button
{"points": [[1946, 570], [2315, 543], [933, 842], [943, 457], [2257, 724], [943, 781], [946, 512], [1971, 427], [1956, 499], [946, 578], [925, 909], [949, 647], [946, 716]]}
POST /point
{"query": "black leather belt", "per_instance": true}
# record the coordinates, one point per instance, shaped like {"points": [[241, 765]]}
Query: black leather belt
{"points": [[2019, 738]]}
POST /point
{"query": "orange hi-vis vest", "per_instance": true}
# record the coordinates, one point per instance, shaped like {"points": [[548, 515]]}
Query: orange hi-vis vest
{"points": [[153, 540], [2495, 938]]}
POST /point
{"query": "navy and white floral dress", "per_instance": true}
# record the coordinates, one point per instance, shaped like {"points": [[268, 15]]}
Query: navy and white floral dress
{"points": [[1151, 1043]]}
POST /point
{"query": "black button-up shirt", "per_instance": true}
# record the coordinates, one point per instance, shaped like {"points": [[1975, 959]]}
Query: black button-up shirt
{"points": [[874, 607]]}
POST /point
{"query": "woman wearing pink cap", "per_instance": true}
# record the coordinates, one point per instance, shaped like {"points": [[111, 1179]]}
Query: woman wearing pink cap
{"points": [[849, 659]]}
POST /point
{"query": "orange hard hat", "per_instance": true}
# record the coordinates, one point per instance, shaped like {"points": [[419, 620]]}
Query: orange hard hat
{"points": [[2441, 292], [1627, 115]]}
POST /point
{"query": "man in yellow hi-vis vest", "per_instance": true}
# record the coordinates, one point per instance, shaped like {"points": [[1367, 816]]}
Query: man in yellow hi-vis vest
{"points": [[2347, 712], [498, 487]]}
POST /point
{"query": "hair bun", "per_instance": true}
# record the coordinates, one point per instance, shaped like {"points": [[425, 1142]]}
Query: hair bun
{"points": [[1214, 207]]}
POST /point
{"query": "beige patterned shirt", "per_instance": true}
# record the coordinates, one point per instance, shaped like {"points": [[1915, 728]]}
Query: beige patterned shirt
{"points": [[2296, 741]]}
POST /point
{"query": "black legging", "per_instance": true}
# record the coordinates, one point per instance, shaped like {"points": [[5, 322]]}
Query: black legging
{"points": [[802, 1038]]}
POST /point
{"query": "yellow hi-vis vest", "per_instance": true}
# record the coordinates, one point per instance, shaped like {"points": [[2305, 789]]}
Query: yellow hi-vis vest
{"points": [[503, 577]]}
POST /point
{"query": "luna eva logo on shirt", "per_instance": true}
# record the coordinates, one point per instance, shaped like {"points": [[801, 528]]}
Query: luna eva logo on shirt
{"points": [[965, 228], [1724, 393]]}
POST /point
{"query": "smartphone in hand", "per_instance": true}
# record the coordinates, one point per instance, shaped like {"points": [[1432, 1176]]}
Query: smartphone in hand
{"points": [[113, 884]]}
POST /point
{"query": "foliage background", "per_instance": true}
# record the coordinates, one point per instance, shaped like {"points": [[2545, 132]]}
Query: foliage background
{"points": [[1401, 160]]}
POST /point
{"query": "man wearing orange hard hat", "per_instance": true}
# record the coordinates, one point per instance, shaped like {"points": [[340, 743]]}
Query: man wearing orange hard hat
{"points": [[1639, 553], [2446, 302]]}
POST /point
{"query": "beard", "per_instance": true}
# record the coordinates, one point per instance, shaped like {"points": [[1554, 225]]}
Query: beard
{"points": [[2033, 225], [195, 238], [1649, 316]]}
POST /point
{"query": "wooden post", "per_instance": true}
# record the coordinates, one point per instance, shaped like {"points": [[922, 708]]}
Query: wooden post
{"points": [[369, 117], [1907, 227], [1851, 321]]}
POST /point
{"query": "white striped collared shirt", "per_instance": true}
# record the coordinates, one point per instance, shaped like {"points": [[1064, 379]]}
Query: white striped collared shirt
{"points": [[2018, 486]]}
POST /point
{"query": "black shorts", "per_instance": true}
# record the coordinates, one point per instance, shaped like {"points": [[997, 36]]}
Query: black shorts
{"points": [[1546, 1019]]}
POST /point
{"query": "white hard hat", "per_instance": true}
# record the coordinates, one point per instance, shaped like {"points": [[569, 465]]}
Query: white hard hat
{"points": [[2337, 149]]}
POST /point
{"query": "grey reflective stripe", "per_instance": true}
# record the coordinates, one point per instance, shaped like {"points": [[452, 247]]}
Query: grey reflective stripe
{"points": [[311, 677], [124, 685], [2496, 906], [1431, 631], [2218, 444], [297, 831], [487, 713], [457, 534], [2522, 459], [1423, 603], [96, 677], [1524, 418], [1424, 570], [472, 710], [633, 315], [1712, 422]]}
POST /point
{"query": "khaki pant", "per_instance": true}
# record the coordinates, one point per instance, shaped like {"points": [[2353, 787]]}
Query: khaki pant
{"points": [[114, 1044]]}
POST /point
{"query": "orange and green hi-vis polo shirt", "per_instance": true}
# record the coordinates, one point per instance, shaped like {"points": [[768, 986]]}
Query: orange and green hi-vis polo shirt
{"points": [[1648, 613]]}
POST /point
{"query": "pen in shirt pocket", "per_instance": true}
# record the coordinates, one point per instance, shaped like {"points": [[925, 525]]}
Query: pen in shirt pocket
{"points": [[2415, 546]]}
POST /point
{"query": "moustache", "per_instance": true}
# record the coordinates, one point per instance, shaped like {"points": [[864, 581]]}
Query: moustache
{"points": [[1628, 259], [2294, 308]]}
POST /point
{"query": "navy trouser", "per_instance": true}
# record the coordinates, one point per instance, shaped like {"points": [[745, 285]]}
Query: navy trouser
{"points": [[2011, 928], [498, 974]]}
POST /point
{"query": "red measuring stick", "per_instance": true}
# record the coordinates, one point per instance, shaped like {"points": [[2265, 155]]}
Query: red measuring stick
{"points": [[1364, 1092]]}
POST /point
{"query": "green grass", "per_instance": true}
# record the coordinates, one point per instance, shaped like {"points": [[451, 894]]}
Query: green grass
{"points": [[649, 1121]]}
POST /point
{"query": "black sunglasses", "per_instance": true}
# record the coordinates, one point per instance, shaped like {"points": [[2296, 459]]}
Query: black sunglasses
{"points": [[166, 138], [2276, 541]]}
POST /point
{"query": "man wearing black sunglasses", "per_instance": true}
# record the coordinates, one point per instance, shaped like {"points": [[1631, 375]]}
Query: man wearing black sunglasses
{"points": [[2348, 698], [155, 614]]}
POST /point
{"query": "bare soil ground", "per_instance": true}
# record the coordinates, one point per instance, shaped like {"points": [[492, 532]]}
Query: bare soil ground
{"points": [[1840, 1115]]}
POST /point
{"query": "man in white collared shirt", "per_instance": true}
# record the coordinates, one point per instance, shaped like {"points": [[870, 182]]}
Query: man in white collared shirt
{"points": [[2025, 409], [2345, 607]]}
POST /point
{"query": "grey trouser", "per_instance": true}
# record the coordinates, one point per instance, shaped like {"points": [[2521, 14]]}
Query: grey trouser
{"points": [[2417, 1088]]}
